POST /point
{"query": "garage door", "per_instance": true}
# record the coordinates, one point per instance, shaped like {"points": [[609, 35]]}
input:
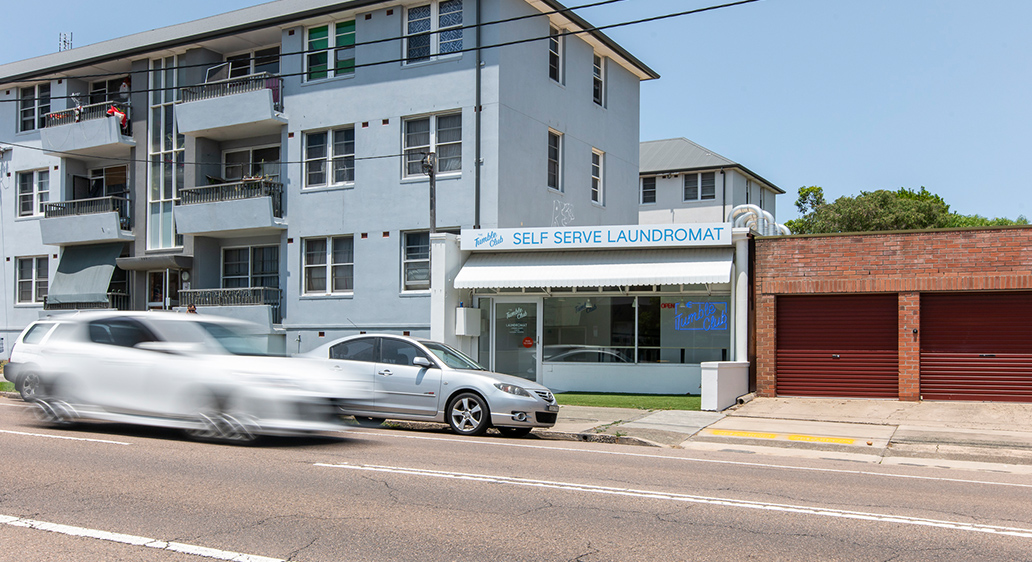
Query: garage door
{"points": [[838, 346], [976, 346]]}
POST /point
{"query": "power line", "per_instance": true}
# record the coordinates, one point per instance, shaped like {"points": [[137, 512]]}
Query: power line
{"points": [[352, 46], [471, 49]]}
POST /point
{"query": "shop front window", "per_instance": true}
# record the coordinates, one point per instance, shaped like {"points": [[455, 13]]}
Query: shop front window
{"points": [[584, 328]]}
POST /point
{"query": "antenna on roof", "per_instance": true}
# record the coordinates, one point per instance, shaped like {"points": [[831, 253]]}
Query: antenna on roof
{"points": [[64, 41]]}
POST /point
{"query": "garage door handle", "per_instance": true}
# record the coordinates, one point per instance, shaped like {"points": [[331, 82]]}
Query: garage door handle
{"points": [[987, 355], [835, 356], [386, 372]]}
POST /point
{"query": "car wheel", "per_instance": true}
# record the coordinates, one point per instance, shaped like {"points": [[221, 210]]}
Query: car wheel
{"points": [[30, 387], [514, 431], [468, 414], [51, 408], [215, 423], [366, 421]]}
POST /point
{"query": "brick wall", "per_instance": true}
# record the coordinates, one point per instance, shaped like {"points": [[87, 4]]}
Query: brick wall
{"points": [[907, 263]]}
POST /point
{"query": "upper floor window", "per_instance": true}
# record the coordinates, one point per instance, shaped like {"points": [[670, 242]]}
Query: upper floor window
{"points": [[598, 159], [32, 279], [331, 50], [698, 187], [108, 91], [555, 55], [255, 62], [33, 192], [555, 152], [34, 105], [748, 191], [256, 266], [330, 157], [598, 87], [648, 190], [433, 29], [107, 182], [440, 134], [329, 265], [415, 262], [252, 163]]}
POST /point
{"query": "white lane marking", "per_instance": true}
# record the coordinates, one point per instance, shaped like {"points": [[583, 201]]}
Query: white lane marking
{"points": [[704, 461], [134, 540], [17, 405], [725, 502], [64, 437]]}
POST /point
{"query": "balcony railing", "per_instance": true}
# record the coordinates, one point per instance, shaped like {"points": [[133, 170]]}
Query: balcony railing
{"points": [[231, 86], [90, 112], [243, 296], [91, 206], [116, 301], [233, 191]]}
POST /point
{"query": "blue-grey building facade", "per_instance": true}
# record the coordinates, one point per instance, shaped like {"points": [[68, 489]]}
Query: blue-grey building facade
{"points": [[268, 163]]}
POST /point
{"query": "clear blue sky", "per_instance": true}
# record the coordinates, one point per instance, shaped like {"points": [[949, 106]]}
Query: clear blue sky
{"points": [[849, 95]]}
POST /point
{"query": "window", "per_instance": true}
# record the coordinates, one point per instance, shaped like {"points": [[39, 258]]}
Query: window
{"points": [[433, 29], [33, 192], [110, 91], [555, 151], [597, 177], [256, 266], [108, 182], [441, 134], [555, 55], [648, 190], [331, 259], [398, 352], [361, 349], [254, 62], [123, 332], [762, 190], [598, 81], [416, 261], [166, 149], [699, 187], [252, 163], [34, 106], [32, 279], [748, 191], [330, 157], [321, 51]]}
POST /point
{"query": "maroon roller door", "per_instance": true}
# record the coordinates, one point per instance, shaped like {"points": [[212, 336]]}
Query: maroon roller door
{"points": [[976, 346], [838, 346]]}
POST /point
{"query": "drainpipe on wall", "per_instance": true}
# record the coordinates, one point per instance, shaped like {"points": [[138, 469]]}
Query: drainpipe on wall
{"points": [[476, 160], [742, 298], [723, 200]]}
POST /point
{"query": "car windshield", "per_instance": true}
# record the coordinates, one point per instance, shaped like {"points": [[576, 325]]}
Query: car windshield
{"points": [[215, 337], [452, 357]]}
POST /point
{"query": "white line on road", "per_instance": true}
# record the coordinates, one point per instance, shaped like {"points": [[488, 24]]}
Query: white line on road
{"points": [[64, 437], [704, 461], [134, 540], [725, 502], [17, 405]]}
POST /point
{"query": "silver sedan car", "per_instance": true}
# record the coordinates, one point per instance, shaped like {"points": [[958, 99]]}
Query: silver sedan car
{"points": [[422, 380]]}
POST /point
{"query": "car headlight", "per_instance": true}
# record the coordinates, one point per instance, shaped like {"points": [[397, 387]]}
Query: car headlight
{"points": [[512, 389]]}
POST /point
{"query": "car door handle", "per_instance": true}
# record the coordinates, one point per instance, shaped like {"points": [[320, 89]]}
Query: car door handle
{"points": [[386, 372]]}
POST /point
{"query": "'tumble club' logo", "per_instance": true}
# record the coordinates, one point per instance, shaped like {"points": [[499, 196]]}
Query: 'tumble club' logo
{"points": [[491, 239]]}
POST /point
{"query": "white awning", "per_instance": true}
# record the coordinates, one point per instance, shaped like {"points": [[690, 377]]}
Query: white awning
{"points": [[612, 268], [83, 274]]}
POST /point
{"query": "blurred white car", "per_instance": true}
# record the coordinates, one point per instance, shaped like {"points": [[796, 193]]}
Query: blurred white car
{"points": [[204, 374], [417, 379]]}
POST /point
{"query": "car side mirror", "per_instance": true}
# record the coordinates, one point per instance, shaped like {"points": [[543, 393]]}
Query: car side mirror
{"points": [[422, 362]]}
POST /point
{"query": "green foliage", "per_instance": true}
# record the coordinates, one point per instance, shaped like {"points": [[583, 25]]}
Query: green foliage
{"points": [[639, 401], [904, 209]]}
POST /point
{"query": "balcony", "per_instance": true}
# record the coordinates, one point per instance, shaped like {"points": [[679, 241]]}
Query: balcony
{"points": [[240, 208], [89, 131], [86, 221], [235, 108], [115, 301], [255, 304]]}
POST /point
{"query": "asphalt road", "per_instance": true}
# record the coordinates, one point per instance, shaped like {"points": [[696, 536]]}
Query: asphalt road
{"points": [[115, 492]]}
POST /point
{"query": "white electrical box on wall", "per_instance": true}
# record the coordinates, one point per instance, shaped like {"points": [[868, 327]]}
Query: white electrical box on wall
{"points": [[467, 322]]}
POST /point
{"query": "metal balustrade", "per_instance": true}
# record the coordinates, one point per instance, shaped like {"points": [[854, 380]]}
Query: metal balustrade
{"points": [[90, 112], [91, 206], [116, 301], [232, 191], [242, 296], [231, 86]]}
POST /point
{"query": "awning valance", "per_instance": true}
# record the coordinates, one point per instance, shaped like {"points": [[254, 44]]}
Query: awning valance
{"points": [[155, 262], [83, 274], [611, 268]]}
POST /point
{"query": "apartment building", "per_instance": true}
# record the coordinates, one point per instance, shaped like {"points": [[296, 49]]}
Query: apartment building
{"points": [[272, 163]]}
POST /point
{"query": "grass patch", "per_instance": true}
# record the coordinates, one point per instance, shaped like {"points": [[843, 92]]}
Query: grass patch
{"points": [[6, 386], [639, 401]]}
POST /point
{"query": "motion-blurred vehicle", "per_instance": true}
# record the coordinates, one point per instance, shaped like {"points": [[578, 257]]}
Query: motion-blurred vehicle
{"points": [[206, 375], [417, 379]]}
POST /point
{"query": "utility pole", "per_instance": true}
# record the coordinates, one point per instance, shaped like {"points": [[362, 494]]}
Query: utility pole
{"points": [[430, 169]]}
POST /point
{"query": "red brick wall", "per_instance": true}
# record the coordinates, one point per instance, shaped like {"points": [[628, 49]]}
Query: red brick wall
{"points": [[907, 263]]}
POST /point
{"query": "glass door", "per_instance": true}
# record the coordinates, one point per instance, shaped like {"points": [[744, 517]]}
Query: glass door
{"points": [[516, 327], [163, 289]]}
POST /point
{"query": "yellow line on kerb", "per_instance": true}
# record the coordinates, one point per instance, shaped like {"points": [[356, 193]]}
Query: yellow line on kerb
{"points": [[812, 439], [728, 433]]}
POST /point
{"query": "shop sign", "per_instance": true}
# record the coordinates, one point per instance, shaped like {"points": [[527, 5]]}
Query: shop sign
{"points": [[597, 237]]}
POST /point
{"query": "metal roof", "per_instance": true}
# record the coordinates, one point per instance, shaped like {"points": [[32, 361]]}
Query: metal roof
{"points": [[605, 268], [671, 156]]}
